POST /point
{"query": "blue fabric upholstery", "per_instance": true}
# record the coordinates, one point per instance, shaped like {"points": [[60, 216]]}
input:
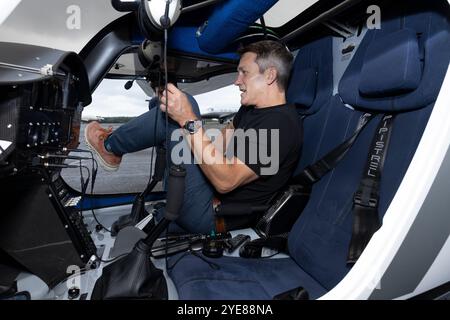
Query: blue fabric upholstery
{"points": [[311, 87], [318, 241], [311, 82], [183, 38], [317, 142], [229, 20], [431, 28], [391, 65], [239, 278], [304, 93]]}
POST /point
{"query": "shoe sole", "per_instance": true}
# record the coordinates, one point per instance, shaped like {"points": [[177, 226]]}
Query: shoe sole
{"points": [[104, 165]]}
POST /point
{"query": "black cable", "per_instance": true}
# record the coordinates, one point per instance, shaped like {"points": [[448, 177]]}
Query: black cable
{"points": [[96, 220], [82, 188], [168, 268], [81, 183], [166, 81], [111, 260], [83, 192], [155, 125], [94, 174], [83, 196], [263, 24], [94, 162]]}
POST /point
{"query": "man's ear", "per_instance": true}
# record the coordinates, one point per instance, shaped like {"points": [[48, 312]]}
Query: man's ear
{"points": [[271, 75]]}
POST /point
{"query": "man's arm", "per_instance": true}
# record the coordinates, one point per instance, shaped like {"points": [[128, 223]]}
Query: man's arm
{"points": [[224, 174], [221, 142]]}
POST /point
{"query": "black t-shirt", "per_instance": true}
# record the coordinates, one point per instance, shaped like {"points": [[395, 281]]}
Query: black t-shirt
{"points": [[268, 141]]}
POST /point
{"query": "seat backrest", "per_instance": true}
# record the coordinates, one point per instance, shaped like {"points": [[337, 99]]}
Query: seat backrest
{"points": [[310, 88], [396, 69]]}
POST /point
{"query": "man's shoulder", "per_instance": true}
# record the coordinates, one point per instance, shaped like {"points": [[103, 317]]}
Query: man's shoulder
{"points": [[271, 117], [288, 109], [284, 114]]}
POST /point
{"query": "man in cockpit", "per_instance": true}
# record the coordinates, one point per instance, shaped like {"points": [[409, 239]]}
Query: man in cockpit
{"points": [[253, 158]]}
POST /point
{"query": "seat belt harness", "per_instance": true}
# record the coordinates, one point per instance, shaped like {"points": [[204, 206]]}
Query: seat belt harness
{"points": [[365, 200]]}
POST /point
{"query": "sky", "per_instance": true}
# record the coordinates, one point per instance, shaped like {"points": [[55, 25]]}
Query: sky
{"points": [[111, 99]]}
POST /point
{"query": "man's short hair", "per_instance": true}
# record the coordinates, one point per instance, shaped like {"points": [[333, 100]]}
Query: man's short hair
{"points": [[271, 53]]}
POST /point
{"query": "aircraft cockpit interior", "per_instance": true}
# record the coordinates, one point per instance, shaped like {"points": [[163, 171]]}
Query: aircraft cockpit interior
{"points": [[363, 215]]}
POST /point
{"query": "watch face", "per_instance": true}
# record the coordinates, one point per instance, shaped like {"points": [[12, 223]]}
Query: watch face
{"points": [[193, 125]]}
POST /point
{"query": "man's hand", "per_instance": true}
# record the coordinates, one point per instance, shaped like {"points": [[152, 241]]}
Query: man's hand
{"points": [[223, 176], [178, 107]]}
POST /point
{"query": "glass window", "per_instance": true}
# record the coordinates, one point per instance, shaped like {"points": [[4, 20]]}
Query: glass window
{"points": [[112, 105]]}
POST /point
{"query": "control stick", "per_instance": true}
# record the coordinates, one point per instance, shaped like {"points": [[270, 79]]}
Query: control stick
{"points": [[135, 276], [138, 211]]}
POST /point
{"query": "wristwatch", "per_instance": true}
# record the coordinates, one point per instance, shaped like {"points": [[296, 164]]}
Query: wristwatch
{"points": [[192, 126]]}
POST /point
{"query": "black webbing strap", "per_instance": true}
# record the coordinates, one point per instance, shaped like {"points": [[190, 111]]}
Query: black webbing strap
{"points": [[314, 172], [365, 200], [254, 248]]}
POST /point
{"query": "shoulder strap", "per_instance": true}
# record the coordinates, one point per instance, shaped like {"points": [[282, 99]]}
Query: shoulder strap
{"points": [[314, 172], [365, 200]]}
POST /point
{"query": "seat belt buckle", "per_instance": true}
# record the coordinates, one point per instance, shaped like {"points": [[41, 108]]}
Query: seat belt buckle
{"points": [[371, 203], [310, 175]]}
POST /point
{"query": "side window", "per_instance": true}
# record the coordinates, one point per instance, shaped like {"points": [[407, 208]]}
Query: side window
{"points": [[112, 105]]}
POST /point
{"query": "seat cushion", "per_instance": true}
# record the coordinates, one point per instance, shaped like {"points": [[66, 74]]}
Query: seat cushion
{"points": [[238, 278]]}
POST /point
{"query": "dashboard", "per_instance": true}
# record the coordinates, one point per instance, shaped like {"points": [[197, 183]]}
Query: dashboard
{"points": [[42, 94]]}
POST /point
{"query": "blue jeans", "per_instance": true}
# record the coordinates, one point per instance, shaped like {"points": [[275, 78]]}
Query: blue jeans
{"points": [[197, 215]]}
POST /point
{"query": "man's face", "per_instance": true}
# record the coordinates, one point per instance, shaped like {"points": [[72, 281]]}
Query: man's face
{"points": [[251, 82]]}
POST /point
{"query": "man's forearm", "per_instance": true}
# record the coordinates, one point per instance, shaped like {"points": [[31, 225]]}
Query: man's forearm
{"points": [[217, 168]]}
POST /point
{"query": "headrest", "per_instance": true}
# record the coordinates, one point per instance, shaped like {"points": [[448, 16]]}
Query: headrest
{"points": [[311, 81], [400, 67], [302, 90], [391, 65]]}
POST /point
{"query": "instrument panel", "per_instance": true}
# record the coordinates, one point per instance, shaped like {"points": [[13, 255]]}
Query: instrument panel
{"points": [[42, 94]]}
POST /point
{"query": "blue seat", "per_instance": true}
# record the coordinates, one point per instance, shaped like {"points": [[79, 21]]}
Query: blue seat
{"points": [[310, 89], [397, 69]]}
